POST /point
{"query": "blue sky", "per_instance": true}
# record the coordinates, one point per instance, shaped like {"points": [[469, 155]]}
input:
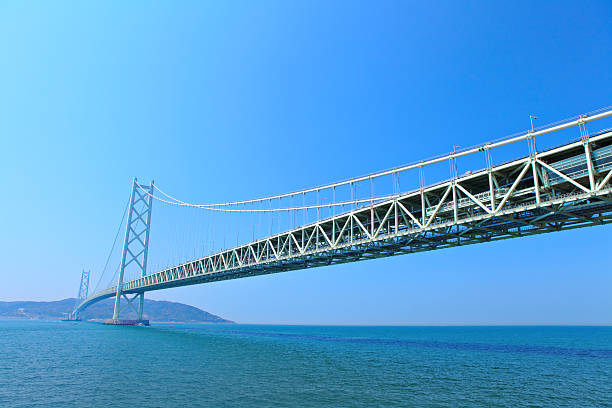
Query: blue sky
{"points": [[232, 100]]}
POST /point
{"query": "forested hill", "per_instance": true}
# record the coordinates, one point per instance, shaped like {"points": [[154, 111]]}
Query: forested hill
{"points": [[154, 310]]}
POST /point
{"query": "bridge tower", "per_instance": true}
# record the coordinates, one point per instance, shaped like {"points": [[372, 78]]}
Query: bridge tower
{"points": [[135, 249], [82, 295]]}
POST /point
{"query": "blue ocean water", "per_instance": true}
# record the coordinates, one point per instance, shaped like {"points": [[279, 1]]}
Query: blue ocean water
{"points": [[56, 364]]}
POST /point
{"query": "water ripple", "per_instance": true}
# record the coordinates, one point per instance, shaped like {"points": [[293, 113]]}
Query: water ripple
{"points": [[502, 348]]}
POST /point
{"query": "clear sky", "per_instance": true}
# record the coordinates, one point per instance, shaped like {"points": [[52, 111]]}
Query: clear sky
{"points": [[234, 100]]}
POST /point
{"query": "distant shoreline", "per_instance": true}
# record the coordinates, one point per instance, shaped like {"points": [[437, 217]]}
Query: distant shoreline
{"points": [[157, 311], [54, 320]]}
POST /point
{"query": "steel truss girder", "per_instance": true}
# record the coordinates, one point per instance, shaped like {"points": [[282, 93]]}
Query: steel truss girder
{"points": [[532, 195]]}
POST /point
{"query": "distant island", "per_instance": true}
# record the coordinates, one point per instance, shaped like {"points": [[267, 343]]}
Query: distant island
{"points": [[154, 310]]}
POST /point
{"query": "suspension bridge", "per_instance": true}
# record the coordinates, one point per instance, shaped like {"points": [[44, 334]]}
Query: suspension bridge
{"points": [[559, 188]]}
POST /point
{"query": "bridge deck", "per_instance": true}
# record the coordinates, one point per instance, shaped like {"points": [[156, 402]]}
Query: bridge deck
{"points": [[562, 188]]}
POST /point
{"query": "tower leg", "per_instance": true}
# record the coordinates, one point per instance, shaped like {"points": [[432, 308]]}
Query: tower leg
{"points": [[140, 305], [117, 300]]}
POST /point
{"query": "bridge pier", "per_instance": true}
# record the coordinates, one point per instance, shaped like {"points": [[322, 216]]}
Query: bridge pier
{"points": [[126, 322]]}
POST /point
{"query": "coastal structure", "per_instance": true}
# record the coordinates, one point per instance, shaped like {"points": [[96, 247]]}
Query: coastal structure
{"points": [[557, 189]]}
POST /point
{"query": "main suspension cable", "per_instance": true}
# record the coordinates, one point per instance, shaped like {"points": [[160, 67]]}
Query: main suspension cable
{"points": [[215, 207], [529, 134]]}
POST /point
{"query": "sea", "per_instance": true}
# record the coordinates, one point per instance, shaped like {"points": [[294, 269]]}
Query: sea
{"points": [[61, 364]]}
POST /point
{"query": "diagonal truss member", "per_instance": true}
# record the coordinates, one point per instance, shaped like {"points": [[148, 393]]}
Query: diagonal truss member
{"points": [[135, 244]]}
